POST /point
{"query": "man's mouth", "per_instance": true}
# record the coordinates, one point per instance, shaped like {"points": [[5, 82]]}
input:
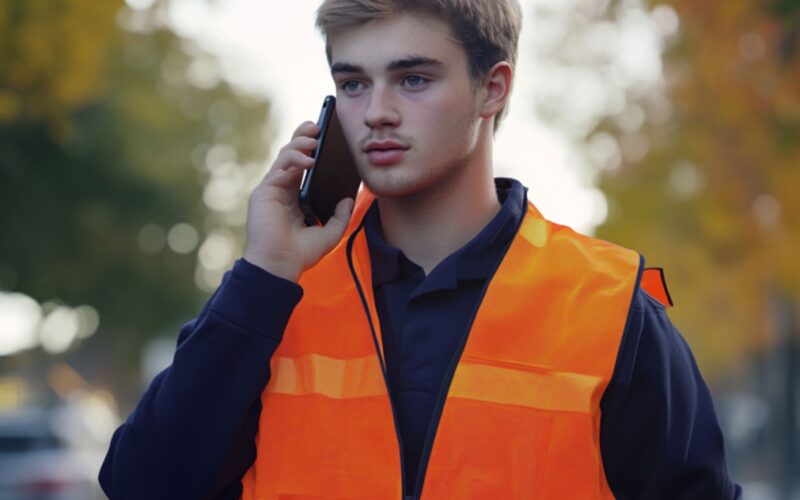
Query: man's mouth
{"points": [[383, 153]]}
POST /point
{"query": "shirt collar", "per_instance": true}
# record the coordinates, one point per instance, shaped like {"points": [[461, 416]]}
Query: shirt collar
{"points": [[475, 260], [385, 259]]}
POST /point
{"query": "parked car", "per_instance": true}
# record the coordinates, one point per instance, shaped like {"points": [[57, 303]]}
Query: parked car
{"points": [[38, 461]]}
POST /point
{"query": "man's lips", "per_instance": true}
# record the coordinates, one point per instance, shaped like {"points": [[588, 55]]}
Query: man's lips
{"points": [[385, 157], [382, 153]]}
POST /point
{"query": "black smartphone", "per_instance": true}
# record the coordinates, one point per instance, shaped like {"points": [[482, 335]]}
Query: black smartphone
{"points": [[334, 176]]}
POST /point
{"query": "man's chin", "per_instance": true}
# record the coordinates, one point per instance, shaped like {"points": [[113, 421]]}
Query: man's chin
{"points": [[402, 181], [391, 188]]}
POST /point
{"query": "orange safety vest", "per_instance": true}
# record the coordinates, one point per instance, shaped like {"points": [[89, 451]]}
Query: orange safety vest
{"points": [[522, 414]]}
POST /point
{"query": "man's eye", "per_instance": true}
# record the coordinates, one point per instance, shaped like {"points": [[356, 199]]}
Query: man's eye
{"points": [[351, 86], [414, 81]]}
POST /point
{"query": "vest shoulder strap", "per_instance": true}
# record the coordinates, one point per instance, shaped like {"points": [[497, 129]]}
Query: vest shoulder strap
{"points": [[655, 285]]}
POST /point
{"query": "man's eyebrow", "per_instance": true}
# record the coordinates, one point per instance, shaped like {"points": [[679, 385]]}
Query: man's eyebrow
{"points": [[343, 67], [406, 63], [413, 62]]}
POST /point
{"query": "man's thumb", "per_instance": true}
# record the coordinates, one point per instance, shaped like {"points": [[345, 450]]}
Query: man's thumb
{"points": [[334, 228]]}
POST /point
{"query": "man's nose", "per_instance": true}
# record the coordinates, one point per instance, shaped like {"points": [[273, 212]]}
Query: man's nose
{"points": [[381, 109]]}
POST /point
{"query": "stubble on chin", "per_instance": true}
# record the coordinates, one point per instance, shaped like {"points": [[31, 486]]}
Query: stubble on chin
{"points": [[409, 183], [390, 185]]}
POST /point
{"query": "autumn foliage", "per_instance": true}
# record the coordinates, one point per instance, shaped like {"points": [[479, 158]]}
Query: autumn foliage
{"points": [[716, 198]]}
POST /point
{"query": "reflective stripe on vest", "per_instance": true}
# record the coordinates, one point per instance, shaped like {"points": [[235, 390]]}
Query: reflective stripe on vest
{"points": [[522, 414]]}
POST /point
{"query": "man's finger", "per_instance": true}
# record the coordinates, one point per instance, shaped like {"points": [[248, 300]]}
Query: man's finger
{"points": [[289, 159], [301, 143], [307, 128], [334, 228], [289, 178]]}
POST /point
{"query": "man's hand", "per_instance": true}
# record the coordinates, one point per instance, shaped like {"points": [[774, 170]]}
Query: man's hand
{"points": [[278, 240]]}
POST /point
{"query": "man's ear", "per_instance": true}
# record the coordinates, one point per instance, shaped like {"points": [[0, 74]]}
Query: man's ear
{"points": [[496, 88]]}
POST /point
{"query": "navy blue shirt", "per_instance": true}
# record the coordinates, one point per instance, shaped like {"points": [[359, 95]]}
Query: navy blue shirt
{"points": [[192, 433], [424, 319]]}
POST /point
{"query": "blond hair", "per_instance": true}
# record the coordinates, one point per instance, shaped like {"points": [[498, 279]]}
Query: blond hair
{"points": [[487, 29]]}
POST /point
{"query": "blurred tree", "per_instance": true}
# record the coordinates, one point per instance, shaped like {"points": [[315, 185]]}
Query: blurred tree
{"points": [[696, 151], [110, 128], [690, 113], [49, 63], [714, 198]]}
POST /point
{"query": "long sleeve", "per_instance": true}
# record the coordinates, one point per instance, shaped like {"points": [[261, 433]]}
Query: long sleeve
{"points": [[192, 433], [659, 433]]}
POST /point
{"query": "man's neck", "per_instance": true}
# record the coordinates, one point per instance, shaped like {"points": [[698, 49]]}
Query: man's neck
{"points": [[432, 225]]}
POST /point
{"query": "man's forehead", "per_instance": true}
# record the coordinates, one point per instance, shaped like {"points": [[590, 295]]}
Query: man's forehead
{"points": [[390, 43]]}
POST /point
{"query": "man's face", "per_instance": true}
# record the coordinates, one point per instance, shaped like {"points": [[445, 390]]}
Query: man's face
{"points": [[406, 103]]}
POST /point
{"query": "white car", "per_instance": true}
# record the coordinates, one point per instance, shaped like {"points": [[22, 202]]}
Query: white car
{"points": [[37, 461]]}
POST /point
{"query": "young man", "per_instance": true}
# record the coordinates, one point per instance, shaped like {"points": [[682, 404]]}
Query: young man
{"points": [[450, 342]]}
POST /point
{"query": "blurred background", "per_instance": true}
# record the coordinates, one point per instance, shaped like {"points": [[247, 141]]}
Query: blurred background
{"points": [[132, 133]]}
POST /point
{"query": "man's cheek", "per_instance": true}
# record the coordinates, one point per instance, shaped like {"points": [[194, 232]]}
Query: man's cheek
{"points": [[350, 130]]}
